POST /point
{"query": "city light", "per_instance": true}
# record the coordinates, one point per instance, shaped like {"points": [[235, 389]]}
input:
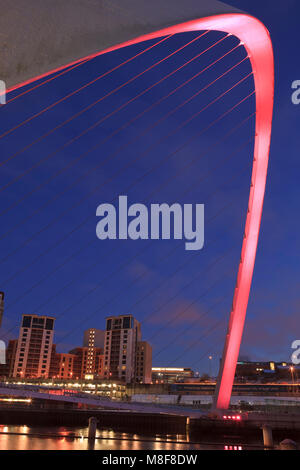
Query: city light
{"points": [[233, 417]]}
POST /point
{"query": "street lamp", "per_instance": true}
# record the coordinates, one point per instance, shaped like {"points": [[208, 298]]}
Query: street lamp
{"points": [[293, 378], [210, 359]]}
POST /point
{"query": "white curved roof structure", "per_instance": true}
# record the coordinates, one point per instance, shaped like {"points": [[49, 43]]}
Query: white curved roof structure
{"points": [[40, 35]]}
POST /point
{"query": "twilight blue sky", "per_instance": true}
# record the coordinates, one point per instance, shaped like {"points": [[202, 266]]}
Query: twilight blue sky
{"points": [[51, 261]]}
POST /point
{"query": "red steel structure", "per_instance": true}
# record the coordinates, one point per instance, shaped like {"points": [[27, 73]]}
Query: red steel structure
{"points": [[256, 40]]}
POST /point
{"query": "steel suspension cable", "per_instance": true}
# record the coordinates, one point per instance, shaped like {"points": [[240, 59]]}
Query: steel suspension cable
{"points": [[177, 316], [216, 343], [196, 159], [121, 267], [79, 89], [95, 263], [185, 330], [103, 119], [93, 148], [138, 278], [144, 319], [136, 159], [48, 80], [137, 302], [215, 327], [210, 330], [145, 272]]}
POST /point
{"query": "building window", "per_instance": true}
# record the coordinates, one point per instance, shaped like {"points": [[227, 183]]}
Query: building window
{"points": [[126, 322], [26, 322], [49, 324]]}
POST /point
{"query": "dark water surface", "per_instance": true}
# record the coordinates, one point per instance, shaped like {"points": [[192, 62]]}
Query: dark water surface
{"points": [[64, 438]]}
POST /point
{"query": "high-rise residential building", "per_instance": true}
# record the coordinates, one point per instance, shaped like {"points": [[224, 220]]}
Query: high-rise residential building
{"points": [[1, 306], [33, 354], [121, 337], [143, 363], [88, 363], [93, 338]]}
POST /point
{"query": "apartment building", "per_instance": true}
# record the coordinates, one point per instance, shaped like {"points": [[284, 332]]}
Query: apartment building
{"points": [[121, 337], [33, 354], [93, 338]]}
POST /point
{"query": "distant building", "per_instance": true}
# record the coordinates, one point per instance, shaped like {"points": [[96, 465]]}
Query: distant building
{"points": [[265, 371], [171, 374], [33, 354], [93, 338], [87, 363], [61, 365], [121, 337], [1, 307], [143, 364], [116, 354], [248, 369]]}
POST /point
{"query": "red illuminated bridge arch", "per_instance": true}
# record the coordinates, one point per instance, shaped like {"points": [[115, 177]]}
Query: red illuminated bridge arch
{"points": [[256, 40]]}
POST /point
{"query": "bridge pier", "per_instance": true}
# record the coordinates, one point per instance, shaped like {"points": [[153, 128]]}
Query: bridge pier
{"points": [[92, 428], [268, 436]]}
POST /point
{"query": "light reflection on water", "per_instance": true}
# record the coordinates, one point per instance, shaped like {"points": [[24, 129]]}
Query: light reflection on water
{"points": [[74, 439]]}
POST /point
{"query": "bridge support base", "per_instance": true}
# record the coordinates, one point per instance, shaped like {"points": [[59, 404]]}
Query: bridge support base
{"points": [[268, 436], [92, 428]]}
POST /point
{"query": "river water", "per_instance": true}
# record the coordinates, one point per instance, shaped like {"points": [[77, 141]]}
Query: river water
{"points": [[62, 438]]}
